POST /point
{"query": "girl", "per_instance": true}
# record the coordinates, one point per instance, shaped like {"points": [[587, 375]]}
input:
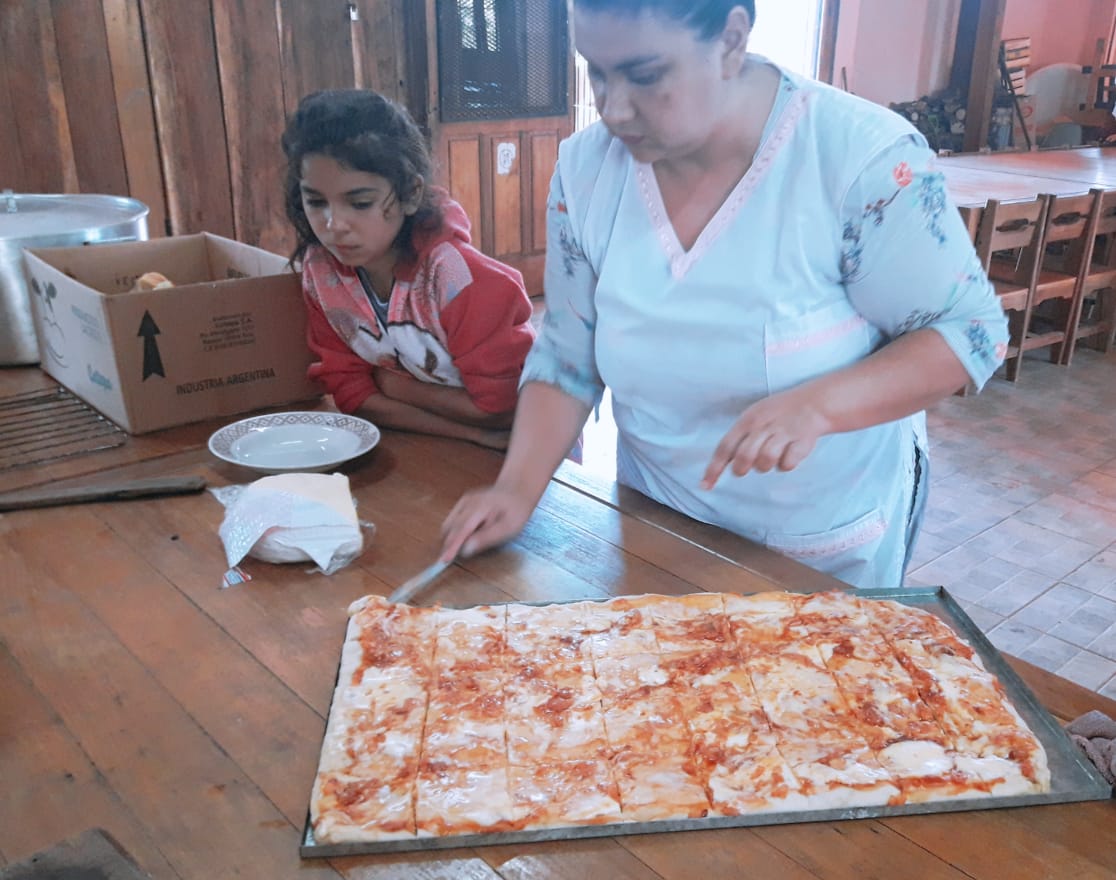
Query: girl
{"points": [[413, 327]]}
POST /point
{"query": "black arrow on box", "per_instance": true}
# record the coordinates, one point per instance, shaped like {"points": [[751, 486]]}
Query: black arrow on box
{"points": [[152, 362]]}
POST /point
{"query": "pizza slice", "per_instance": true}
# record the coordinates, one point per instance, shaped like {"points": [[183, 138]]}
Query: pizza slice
{"points": [[549, 794], [470, 640], [619, 627], [377, 804], [990, 742], [540, 636], [816, 733], [659, 785], [759, 622], [753, 781], [555, 717], [465, 723], [451, 799], [386, 640], [691, 623]]}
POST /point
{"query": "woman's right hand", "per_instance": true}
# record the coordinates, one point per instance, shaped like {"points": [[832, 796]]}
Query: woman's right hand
{"points": [[484, 518]]}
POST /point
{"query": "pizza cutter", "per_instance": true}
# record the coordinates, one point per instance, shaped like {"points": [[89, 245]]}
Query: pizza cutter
{"points": [[420, 581]]}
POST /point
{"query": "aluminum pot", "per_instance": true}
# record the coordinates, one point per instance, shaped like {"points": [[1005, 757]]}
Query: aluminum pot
{"points": [[37, 221]]}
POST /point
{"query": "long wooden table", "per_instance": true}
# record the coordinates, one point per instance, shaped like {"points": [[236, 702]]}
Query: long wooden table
{"points": [[974, 178], [186, 719]]}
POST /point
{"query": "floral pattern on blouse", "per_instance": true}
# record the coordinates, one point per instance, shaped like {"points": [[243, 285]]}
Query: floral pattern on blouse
{"points": [[932, 195], [572, 253]]}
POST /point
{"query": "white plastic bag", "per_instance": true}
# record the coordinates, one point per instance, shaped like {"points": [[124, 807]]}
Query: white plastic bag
{"points": [[291, 518]]}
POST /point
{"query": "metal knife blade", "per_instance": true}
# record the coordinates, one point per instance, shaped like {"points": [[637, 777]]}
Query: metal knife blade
{"points": [[407, 591]]}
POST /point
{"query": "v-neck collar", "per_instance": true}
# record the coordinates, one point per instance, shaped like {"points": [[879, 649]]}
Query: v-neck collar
{"points": [[681, 259]]}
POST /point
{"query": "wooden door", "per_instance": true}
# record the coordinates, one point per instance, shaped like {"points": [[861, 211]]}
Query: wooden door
{"points": [[496, 113]]}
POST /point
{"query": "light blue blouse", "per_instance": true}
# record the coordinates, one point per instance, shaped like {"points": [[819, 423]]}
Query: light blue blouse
{"points": [[839, 238]]}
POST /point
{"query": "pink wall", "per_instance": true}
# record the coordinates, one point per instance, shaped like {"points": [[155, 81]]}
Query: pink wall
{"points": [[899, 51], [1060, 30], [896, 51]]}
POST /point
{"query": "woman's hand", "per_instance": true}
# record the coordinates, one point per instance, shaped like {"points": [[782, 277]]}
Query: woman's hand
{"points": [[776, 432], [484, 518]]}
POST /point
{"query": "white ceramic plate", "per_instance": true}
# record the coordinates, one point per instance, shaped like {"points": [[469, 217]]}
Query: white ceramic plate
{"points": [[294, 441]]}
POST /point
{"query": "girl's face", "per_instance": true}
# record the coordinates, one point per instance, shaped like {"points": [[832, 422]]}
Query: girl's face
{"points": [[355, 215], [657, 86]]}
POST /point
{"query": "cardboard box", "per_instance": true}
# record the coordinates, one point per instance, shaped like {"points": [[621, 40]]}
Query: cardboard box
{"points": [[228, 338]]}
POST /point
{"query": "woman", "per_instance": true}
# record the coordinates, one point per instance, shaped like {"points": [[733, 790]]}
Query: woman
{"points": [[768, 275]]}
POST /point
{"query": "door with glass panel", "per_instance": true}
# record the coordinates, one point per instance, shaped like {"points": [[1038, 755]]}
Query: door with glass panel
{"points": [[499, 75]]}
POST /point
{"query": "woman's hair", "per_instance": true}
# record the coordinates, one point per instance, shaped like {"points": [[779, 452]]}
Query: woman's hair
{"points": [[366, 132], [707, 17]]}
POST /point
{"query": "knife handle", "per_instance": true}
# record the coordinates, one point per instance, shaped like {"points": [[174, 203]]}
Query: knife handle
{"points": [[102, 492]]}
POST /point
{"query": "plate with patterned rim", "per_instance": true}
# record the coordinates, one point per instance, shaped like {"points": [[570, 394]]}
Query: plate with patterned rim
{"points": [[289, 442]]}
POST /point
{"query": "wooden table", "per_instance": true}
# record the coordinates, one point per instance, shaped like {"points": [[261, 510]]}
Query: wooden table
{"points": [[186, 719], [974, 178]]}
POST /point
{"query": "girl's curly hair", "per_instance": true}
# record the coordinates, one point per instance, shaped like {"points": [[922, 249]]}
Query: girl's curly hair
{"points": [[367, 132]]}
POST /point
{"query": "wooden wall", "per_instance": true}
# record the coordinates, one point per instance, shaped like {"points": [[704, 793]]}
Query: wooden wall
{"points": [[181, 103]]}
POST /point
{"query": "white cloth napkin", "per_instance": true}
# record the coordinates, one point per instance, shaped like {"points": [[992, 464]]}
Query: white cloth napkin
{"points": [[292, 518]]}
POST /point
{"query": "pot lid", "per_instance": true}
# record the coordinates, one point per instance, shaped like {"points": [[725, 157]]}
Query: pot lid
{"points": [[29, 216]]}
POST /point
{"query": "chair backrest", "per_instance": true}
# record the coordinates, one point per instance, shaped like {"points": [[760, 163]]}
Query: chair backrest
{"points": [[970, 216], [1069, 217], [1011, 226], [1106, 212], [1102, 250]]}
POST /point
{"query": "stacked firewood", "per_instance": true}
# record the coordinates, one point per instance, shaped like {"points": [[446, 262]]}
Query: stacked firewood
{"points": [[940, 118]]}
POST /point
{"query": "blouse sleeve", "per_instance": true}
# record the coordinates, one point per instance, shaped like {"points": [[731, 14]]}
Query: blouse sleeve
{"points": [[563, 355], [907, 261]]}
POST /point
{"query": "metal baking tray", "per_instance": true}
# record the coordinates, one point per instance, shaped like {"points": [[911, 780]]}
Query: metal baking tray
{"points": [[1072, 776]]}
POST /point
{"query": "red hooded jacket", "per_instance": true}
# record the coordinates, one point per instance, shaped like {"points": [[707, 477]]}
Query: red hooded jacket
{"points": [[455, 317]]}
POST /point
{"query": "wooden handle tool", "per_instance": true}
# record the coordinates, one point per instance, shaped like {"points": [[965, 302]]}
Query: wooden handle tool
{"points": [[122, 491]]}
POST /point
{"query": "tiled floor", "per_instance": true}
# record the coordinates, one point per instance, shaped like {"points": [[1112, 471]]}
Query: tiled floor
{"points": [[1021, 525]]}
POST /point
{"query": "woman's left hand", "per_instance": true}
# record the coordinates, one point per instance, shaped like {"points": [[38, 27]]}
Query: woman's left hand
{"points": [[776, 432]]}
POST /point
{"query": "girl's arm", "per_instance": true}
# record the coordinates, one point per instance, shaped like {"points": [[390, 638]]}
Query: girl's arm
{"points": [[387, 412], [440, 400]]}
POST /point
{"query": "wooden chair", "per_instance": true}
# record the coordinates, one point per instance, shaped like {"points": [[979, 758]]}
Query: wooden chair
{"points": [[1009, 243], [1095, 306], [1067, 248], [970, 216]]}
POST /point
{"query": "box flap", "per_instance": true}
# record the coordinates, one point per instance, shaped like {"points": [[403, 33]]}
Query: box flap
{"points": [[114, 268]]}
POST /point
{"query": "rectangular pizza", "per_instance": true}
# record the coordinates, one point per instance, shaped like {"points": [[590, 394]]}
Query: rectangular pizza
{"points": [[652, 708]]}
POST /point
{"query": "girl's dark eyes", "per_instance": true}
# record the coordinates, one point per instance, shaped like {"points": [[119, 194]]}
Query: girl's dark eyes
{"points": [[318, 204]]}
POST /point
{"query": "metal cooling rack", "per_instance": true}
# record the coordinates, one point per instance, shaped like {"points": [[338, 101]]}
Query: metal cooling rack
{"points": [[49, 424]]}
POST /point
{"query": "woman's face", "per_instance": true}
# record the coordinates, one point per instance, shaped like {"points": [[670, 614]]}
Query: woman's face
{"points": [[657, 86], [355, 215]]}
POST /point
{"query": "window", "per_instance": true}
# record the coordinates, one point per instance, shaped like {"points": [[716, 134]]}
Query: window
{"points": [[788, 34], [485, 70]]}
